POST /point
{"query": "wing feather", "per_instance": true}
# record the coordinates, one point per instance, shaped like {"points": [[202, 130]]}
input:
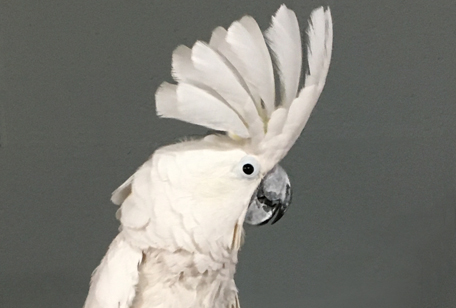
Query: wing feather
{"points": [[114, 280], [122, 192]]}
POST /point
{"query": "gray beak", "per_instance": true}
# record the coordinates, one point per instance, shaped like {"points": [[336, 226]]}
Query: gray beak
{"points": [[271, 199]]}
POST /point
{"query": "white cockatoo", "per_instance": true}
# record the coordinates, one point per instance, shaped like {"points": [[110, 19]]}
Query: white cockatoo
{"points": [[182, 212]]}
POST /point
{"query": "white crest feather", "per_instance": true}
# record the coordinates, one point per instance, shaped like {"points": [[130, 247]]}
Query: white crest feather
{"points": [[183, 69], [217, 38], [213, 113], [255, 65], [229, 84], [320, 37], [166, 101], [285, 41], [285, 133], [216, 73], [319, 48], [180, 102]]}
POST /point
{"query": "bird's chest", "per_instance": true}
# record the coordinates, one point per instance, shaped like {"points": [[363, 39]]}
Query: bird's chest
{"points": [[185, 280]]}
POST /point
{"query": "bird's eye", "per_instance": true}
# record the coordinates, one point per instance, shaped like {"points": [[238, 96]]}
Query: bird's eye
{"points": [[249, 167]]}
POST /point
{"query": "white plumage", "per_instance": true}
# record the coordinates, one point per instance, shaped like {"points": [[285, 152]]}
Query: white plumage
{"points": [[254, 64], [182, 212], [285, 126], [285, 41]]}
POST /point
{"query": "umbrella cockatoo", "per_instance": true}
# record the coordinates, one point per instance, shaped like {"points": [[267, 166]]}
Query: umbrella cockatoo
{"points": [[182, 212]]}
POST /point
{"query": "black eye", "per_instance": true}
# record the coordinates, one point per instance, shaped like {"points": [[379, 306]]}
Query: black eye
{"points": [[248, 169]]}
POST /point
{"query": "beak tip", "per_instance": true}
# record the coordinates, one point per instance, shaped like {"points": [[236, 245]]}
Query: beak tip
{"points": [[283, 207]]}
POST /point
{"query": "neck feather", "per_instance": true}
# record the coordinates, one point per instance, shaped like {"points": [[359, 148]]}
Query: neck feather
{"points": [[185, 279]]}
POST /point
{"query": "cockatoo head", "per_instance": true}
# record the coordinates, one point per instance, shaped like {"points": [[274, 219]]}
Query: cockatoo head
{"points": [[228, 85], [226, 172], [216, 184], [213, 185]]}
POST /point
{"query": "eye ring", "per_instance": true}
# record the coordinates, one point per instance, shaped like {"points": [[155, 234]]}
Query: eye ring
{"points": [[249, 167]]}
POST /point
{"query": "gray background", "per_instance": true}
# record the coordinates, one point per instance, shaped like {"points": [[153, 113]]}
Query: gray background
{"points": [[373, 217]]}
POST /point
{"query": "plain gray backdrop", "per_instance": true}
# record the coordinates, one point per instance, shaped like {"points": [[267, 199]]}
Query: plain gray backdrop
{"points": [[372, 222]]}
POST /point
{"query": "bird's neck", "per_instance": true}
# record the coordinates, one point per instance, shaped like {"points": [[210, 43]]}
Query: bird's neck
{"points": [[186, 279]]}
